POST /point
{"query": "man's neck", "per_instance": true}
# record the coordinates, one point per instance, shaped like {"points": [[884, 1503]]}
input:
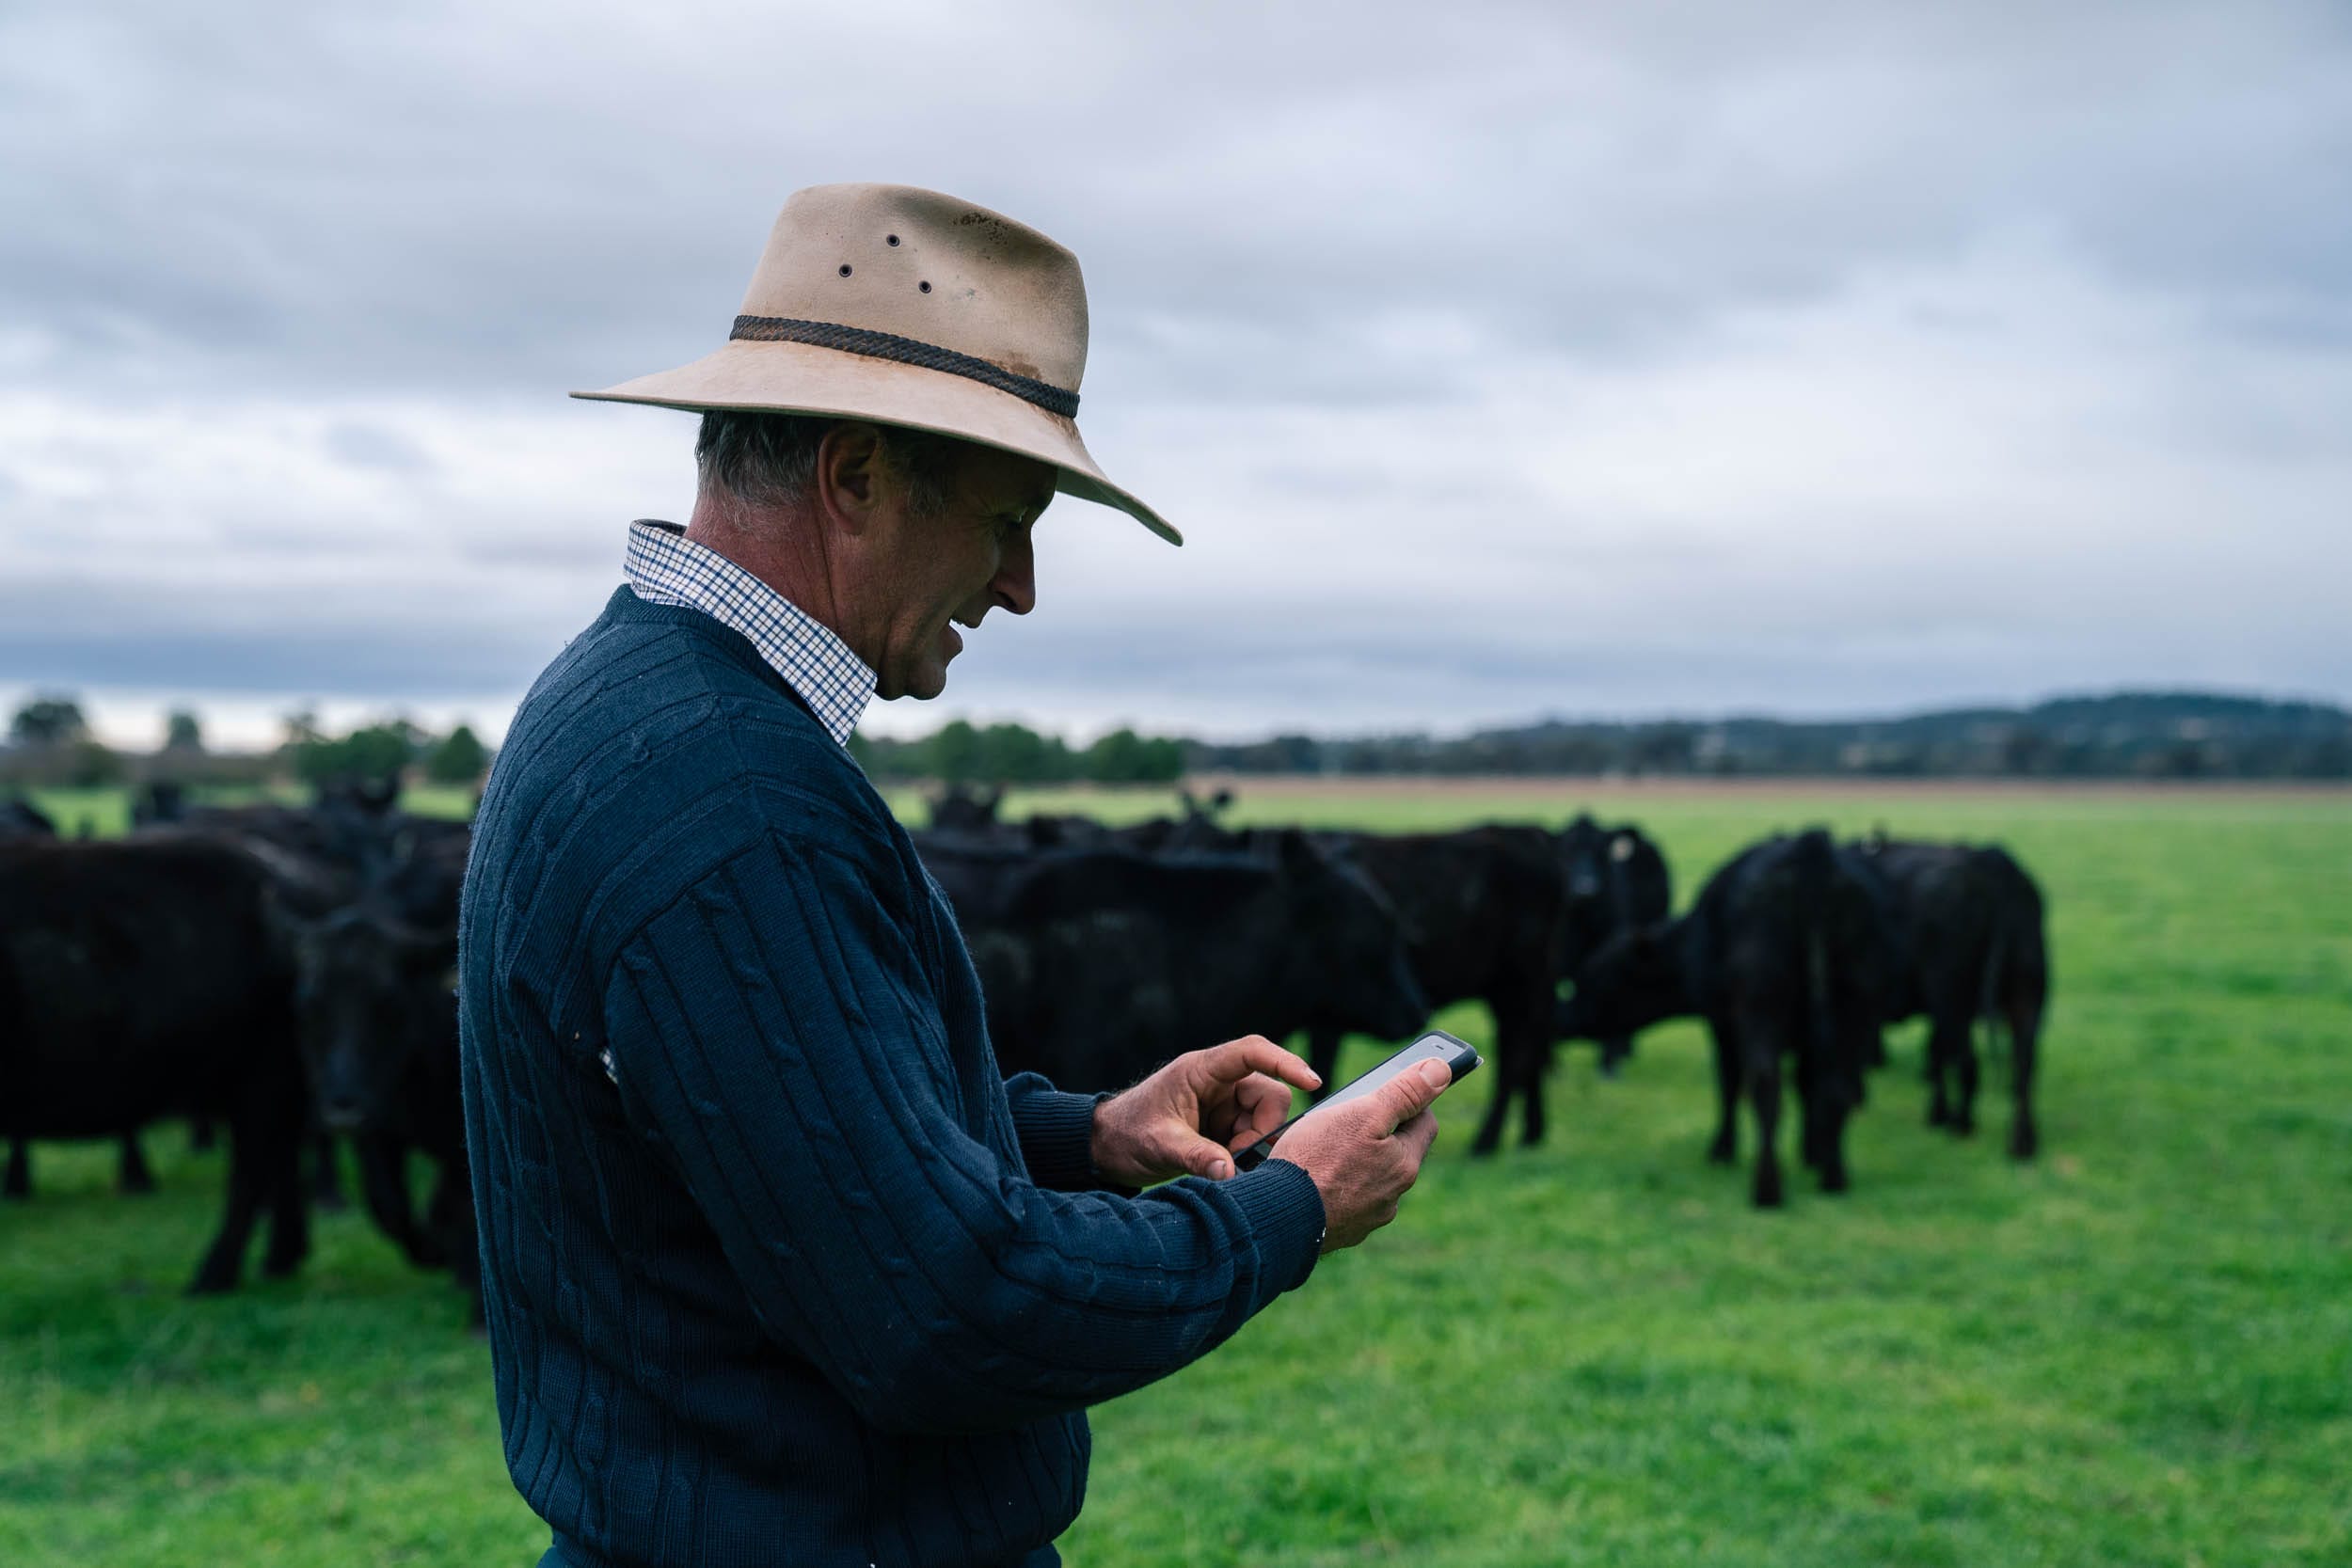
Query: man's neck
{"points": [[783, 550]]}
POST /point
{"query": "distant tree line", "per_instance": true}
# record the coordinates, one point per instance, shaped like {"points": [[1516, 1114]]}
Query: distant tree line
{"points": [[2129, 736], [2133, 734], [50, 743], [961, 752]]}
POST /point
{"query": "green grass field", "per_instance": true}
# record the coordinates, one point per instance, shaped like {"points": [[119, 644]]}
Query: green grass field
{"points": [[2136, 1350]]}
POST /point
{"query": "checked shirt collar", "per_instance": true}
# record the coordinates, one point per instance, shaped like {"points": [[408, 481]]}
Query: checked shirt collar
{"points": [[663, 566]]}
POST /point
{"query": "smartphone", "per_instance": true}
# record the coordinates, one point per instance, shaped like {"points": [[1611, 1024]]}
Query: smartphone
{"points": [[1434, 1046]]}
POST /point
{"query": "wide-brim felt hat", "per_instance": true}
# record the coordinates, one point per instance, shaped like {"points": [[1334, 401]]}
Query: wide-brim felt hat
{"points": [[909, 307]]}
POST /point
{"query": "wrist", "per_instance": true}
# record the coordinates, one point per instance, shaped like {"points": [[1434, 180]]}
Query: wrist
{"points": [[1106, 1145]]}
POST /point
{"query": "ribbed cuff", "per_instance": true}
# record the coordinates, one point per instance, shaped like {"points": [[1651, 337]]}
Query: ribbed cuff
{"points": [[1057, 1133], [1285, 1210]]}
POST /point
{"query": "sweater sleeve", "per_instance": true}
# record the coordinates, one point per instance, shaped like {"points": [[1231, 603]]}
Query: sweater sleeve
{"points": [[1057, 1132], [773, 1030]]}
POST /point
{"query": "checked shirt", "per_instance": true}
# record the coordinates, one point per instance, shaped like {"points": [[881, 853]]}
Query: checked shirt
{"points": [[663, 566]]}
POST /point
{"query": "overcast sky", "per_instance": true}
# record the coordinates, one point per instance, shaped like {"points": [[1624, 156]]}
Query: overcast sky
{"points": [[1498, 363]]}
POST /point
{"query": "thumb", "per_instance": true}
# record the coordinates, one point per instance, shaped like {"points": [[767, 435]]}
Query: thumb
{"points": [[1410, 1093], [1207, 1158]]}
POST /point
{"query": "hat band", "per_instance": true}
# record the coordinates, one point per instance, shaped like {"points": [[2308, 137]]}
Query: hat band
{"points": [[906, 351]]}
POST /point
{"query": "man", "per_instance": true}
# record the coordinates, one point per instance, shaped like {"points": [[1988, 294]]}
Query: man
{"points": [[776, 1268]]}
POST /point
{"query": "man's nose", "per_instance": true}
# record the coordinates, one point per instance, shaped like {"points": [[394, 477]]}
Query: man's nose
{"points": [[1015, 583]]}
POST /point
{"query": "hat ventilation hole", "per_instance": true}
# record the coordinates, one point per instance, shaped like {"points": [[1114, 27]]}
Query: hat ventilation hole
{"points": [[844, 269], [924, 287], [891, 239]]}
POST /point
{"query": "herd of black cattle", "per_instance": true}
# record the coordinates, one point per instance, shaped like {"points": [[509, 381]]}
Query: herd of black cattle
{"points": [[283, 974]]}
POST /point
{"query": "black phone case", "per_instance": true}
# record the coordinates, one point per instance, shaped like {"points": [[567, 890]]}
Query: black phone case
{"points": [[1463, 1060]]}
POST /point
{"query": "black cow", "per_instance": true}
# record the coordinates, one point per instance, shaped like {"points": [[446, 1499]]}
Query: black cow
{"points": [[1972, 924], [1098, 965], [379, 1037], [1788, 953], [418, 885], [143, 980], [961, 809], [22, 819], [1616, 881], [1483, 910]]}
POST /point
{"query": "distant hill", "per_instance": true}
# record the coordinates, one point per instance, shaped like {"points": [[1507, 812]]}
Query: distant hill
{"points": [[2150, 735]]}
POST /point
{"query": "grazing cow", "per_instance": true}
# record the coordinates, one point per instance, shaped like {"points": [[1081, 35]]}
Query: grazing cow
{"points": [[378, 1026], [1098, 965], [961, 809], [142, 980], [1483, 911], [419, 885], [22, 819], [160, 803], [1616, 881], [1972, 920], [1788, 953]]}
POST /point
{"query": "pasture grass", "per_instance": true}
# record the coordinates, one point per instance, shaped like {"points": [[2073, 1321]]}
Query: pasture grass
{"points": [[105, 812], [2138, 1350]]}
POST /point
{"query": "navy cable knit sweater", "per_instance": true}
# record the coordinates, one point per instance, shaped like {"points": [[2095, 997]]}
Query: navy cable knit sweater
{"points": [[777, 1270]]}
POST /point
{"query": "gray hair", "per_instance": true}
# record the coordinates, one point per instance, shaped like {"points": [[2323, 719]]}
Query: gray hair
{"points": [[766, 458]]}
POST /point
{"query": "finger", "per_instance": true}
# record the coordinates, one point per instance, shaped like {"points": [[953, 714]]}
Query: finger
{"points": [[1265, 1104], [1408, 1094], [1238, 1059], [1203, 1158]]}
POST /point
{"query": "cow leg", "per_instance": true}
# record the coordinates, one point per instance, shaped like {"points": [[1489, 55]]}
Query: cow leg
{"points": [[1531, 1093], [1939, 1108], [1498, 1104], [1964, 1059], [224, 1259], [1761, 1058], [131, 1172], [1323, 1054], [1724, 1151], [1525, 1039], [19, 1184], [1614, 1053], [1827, 1120], [1508, 1068], [289, 1214], [1810, 1122], [383, 1183], [2025, 1026], [326, 1173]]}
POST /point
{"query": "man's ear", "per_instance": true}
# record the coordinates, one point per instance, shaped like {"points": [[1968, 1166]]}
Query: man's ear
{"points": [[850, 480]]}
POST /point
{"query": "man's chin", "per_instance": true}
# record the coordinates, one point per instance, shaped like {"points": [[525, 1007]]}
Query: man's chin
{"points": [[923, 685]]}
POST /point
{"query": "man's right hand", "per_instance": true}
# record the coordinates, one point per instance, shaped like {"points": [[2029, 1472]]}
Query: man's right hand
{"points": [[1365, 1155]]}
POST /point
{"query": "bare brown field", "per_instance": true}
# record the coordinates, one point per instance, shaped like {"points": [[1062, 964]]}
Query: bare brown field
{"points": [[1552, 787]]}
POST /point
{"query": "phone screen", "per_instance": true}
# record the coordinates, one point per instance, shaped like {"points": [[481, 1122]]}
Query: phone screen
{"points": [[1434, 1046]]}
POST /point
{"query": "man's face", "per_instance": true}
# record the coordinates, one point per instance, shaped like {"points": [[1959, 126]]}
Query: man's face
{"points": [[950, 568]]}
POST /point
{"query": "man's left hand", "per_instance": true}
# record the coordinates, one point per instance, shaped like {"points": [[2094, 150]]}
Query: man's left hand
{"points": [[1191, 1116]]}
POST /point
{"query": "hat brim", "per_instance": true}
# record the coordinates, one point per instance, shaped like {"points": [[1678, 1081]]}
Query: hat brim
{"points": [[801, 378]]}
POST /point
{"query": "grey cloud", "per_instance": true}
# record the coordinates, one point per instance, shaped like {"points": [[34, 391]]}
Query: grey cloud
{"points": [[1502, 359], [453, 196]]}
